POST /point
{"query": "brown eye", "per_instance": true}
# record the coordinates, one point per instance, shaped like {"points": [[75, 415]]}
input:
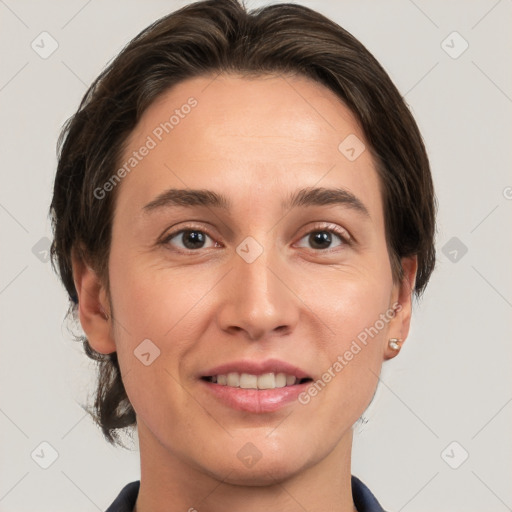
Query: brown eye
{"points": [[190, 239], [322, 239]]}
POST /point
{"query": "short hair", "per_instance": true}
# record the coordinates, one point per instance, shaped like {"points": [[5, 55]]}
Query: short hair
{"points": [[222, 36]]}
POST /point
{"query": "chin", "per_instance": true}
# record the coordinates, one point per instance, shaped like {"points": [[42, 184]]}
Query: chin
{"points": [[263, 474], [267, 467]]}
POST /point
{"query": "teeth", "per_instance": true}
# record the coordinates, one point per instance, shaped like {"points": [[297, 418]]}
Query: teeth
{"points": [[281, 380], [249, 381], [290, 380], [233, 380], [266, 381]]}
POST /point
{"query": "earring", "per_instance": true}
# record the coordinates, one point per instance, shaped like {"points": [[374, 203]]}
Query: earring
{"points": [[394, 343]]}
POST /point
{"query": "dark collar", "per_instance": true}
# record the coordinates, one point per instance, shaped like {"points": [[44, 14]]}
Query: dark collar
{"points": [[364, 500]]}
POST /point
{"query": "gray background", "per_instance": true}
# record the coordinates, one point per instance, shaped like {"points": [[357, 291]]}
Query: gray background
{"points": [[452, 380]]}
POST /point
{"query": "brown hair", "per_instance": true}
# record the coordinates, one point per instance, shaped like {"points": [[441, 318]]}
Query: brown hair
{"points": [[214, 36]]}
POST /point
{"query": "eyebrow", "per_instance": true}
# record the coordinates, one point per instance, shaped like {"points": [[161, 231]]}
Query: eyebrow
{"points": [[303, 197]]}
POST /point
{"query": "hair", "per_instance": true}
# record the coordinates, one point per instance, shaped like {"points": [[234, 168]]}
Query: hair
{"points": [[221, 36]]}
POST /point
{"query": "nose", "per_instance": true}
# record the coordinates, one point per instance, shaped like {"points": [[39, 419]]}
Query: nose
{"points": [[258, 299]]}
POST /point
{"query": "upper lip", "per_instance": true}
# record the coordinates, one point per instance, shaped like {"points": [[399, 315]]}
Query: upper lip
{"points": [[257, 368]]}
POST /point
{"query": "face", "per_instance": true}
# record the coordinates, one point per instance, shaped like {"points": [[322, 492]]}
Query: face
{"points": [[244, 287]]}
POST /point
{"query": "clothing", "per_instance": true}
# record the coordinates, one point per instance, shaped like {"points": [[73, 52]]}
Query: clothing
{"points": [[364, 500]]}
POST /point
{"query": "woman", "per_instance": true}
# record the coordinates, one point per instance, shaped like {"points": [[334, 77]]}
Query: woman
{"points": [[243, 210]]}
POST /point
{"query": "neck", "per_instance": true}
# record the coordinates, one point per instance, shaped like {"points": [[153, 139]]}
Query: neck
{"points": [[169, 484]]}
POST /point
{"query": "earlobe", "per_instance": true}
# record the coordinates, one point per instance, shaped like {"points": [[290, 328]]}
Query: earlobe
{"points": [[399, 326], [92, 307]]}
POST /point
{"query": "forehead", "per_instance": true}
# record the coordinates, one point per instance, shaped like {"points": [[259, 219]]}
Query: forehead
{"points": [[240, 134]]}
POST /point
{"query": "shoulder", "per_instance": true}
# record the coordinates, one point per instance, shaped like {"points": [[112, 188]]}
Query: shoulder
{"points": [[126, 499], [364, 500]]}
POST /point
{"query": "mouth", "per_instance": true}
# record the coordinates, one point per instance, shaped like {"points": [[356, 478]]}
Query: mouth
{"points": [[252, 381], [256, 387]]}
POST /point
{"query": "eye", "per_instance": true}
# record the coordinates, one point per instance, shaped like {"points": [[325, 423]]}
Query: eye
{"points": [[321, 238], [190, 239]]}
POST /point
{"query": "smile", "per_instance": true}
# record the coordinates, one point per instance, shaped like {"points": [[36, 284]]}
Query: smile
{"points": [[251, 381], [255, 386]]}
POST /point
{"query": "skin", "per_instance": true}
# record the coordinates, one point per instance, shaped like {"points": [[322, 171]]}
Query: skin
{"points": [[256, 141]]}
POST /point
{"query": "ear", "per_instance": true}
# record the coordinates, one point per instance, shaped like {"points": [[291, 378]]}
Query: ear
{"points": [[402, 298], [93, 307]]}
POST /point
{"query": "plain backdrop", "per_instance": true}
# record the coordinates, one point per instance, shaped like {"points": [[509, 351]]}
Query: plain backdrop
{"points": [[437, 436]]}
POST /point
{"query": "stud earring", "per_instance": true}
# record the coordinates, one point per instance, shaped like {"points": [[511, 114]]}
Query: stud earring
{"points": [[394, 343]]}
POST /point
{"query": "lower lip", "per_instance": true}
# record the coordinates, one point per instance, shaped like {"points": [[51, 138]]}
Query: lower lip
{"points": [[256, 400]]}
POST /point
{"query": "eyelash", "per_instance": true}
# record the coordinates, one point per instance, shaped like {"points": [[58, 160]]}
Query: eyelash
{"points": [[325, 228]]}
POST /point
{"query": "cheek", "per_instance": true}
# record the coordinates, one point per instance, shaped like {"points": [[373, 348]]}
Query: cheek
{"points": [[157, 321], [355, 314], [152, 301], [348, 300], [169, 308]]}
